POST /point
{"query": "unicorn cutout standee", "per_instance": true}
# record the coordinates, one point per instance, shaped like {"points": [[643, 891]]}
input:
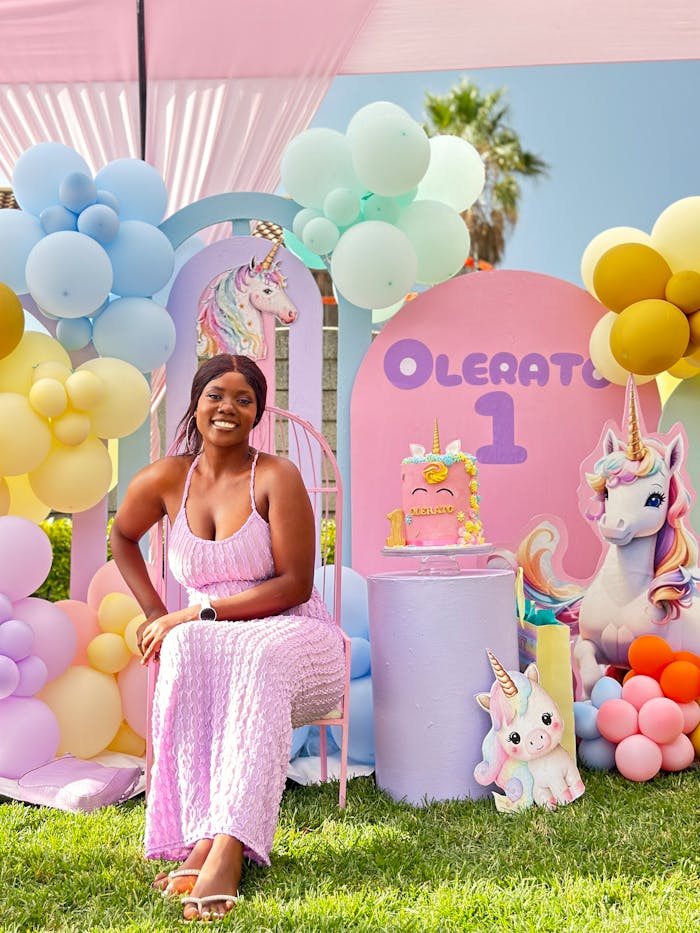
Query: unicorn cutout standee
{"points": [[646, 581], [522, 751], [230, 312]]}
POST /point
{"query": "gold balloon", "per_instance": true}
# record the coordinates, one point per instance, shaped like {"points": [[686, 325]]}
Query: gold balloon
{"points": [[23, 501], [108, 653], [25, 438], [4, 496], [683, 370], [601, 244], [17, 368], [48, 397], [88, 707], [72, 428], [127, 742], [115, 612], [127, 399], [601, 354], [85, 389], [73, 479], [683, 289], [649, 336], [11, 320], [676, 234], [629, 273], [694, 323]]}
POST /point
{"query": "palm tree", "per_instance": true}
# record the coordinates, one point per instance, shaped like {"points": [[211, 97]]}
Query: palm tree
{"points": [[481, 120]]}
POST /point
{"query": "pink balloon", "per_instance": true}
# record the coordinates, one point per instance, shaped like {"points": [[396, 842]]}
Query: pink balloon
{"points": [[108, 579], [85, 624], [28, 735], [677, 755], [25, 556], [32, 676], [133, 686], [691, 715], [638, 758], [5, 608], [9, 676], [661, 720], [616, 720], [54, 636], [639, 689], [16, 639]]}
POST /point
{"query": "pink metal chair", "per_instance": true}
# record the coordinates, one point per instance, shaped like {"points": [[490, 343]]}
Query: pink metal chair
{"points": [[285, 434]]}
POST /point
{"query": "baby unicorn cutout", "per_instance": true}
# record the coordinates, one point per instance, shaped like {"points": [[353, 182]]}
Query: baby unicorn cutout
{"points": [[522, 751]]}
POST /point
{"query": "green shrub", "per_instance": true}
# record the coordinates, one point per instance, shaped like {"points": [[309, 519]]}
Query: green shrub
{"points": [[60, 533], [328, 541]]}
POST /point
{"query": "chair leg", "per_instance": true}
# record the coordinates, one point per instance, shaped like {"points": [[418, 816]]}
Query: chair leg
{"points": [[323, 752]]}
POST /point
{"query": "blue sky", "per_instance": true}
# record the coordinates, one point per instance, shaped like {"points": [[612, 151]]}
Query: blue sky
{"points": [[622, 142]]}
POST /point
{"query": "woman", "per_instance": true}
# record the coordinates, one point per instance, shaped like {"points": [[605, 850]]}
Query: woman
{"points": [[253, 655]]}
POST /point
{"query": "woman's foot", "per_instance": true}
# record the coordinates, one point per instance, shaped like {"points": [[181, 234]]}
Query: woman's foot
{"points": [[171, 884], [213, 895]]}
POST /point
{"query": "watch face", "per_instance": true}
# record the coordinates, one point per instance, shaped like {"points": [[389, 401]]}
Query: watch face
{"points": [[208, 614]]}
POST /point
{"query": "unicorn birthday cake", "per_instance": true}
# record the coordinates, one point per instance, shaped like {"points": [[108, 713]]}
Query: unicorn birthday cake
{"points": [[439, 499]]}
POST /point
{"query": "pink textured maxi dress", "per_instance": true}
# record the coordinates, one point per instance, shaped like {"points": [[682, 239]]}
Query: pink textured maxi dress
{"points": [[228, 695]]}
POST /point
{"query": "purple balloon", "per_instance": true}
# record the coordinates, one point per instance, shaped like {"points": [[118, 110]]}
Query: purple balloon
{"points": [[9, 677], [6, 611], [32, 676], [25, 556], [16, 639], [29, 735], [55, 641]]}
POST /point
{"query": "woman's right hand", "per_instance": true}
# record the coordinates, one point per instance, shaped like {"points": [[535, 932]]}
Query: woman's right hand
{"points": [[151, 617]]}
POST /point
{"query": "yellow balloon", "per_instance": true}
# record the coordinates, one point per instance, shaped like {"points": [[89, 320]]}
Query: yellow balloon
{"points": [[127, 742], [127, 400], [667, 385], [629, 273], [108, 653], [683, 289], [85, 389], [73, 479], [676, 234], [115, 612], [71, 428], [23, 501], [48, 397], [694, 737], [11, 320], [601, 244], [88, 707], [694, 323], [4, 496], [130, 634], [17, 368], [601, 354], [25, 438], [649, 336], [51, 369]]}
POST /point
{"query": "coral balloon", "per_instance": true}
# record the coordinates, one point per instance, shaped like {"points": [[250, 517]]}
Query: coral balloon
{"points": [[637, 690], [25, 557], [73, 479], [84, 621], [649, 336], [616, 720], [691, 715], [601, 354], [678, 754], [683, 289], [628, 273], [680, 680], [133, 686], [11, 320], [25, 438], [676, 234], [638, 758], [687, 656], [54, 637], [108, 579], [115, 612], [88, 707], [48, 397], [127, 400], [28, 736], [649, 654], [108, 653], [601, 243], [661, 720], [19, 368]]}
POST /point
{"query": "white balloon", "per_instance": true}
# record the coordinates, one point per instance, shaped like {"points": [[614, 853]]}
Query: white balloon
{"points": [[440, 238], [455, 175], [373, 264], [314, 163], [390, 153]]}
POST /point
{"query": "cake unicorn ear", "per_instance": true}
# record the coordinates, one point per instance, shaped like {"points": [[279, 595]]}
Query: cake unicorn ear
{"points": [[454, 447], [417, 450]]}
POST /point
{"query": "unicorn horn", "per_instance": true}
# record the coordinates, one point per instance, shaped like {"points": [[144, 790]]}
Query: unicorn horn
{"points": [[270, 258], [502, 676], [436, 439], [636, 450]]}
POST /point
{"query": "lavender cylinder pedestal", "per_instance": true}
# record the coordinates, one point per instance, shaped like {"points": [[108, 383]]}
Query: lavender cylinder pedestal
{"points": [[428, 639]]}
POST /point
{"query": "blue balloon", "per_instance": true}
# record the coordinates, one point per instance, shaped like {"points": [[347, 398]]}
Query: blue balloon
{"points": [[107, 198], [138, 187], [359, 660], [74, 333], [183, 254], [299, 737], [312, 748], [607, 688], [597, 754], [100, 222], [77, 191], [354, 613], [586, 719], [57, 217], [19, 234], [39, 172], [68, 274], [361, 731], [142, 258], [136, 330]]}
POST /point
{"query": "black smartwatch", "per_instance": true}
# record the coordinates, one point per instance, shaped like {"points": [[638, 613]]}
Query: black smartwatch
{"points": [[207, 613]]}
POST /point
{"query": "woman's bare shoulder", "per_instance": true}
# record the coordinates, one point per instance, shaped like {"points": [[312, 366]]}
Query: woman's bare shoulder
{"points": [[165, 475], [272, 467]]}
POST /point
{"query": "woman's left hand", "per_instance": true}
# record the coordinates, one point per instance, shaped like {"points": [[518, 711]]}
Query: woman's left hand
{"points": [[155, 632]]}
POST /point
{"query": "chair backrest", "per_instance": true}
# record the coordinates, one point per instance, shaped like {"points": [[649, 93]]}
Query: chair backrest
{"points": [[287, 435]]}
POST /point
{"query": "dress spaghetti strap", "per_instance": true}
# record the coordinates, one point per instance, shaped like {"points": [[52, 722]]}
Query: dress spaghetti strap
{"points": [[252, 481], [188, 480]]}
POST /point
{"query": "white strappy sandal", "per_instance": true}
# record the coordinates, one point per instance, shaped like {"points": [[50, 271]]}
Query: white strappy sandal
{"points": [[201, 903]]}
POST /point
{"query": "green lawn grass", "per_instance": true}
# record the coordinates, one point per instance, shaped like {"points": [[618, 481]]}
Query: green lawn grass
{"points": [[626, 857]]}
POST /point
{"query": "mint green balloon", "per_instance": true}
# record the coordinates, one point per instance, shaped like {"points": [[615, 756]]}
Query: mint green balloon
{"points": [[315, 163], [294, 245], [320, 236], [373, 264], [390, 152], [683, 406], [301, 219], [440, 238], [378, 208], [455, 174], [342, 206]]}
